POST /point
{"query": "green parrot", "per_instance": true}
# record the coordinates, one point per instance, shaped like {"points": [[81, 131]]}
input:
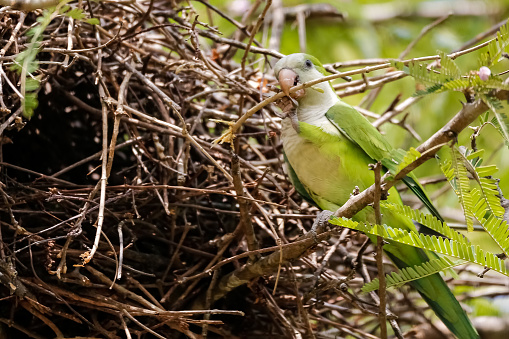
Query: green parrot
{"points": [[328, 146]]}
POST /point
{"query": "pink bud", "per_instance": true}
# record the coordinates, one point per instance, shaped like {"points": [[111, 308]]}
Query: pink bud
{"points": [[239, 7], [484, 73]]}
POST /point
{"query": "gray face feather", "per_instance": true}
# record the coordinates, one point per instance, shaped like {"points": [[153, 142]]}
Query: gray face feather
{"points": [[299, 68]]}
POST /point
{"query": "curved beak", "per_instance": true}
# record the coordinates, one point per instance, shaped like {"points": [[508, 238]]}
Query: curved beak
{"points": [[287, 79]]}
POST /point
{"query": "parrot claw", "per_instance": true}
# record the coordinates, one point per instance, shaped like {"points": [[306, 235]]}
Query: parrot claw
{"points": [[292, 114], [288, 107], [294, 119], [321, 220]]}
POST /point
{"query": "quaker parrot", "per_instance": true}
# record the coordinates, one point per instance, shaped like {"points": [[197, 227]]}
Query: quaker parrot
{"points": [[328, 146]]}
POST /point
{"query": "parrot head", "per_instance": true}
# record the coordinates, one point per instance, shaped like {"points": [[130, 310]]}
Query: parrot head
{"points": [[295, 69]]}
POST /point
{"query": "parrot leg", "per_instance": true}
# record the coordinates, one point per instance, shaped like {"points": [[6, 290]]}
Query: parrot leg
{"points": [[322, 219]]}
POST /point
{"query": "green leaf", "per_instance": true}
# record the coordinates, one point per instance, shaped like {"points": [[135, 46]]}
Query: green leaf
{"points": [[28, 58], [486, 171], [501, 122], [93, 21], [456, 173], [29, 105], [495, 83], [476, 154], [33, 31], [410, 156], [427, 220], [458, 84], [409, 274], [482, 203], [448, 247], [437, 88], [31, 84], [448, 68], [498, 230], [496, 47], [398, 64], [76, 14], [484, 118], [421, 74], [490, 193]]}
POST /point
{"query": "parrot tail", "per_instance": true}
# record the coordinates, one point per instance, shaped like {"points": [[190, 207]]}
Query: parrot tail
{"points": [[442, 301]]}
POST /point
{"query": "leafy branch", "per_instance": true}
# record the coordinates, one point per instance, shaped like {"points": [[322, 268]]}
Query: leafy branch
{"points": [[26, 63], [409, 274], [427, 220], [482, 204], [456, 173], [464, 251]]}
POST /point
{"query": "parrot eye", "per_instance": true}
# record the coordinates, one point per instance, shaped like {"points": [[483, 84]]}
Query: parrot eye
{"points": [[308, 63]]}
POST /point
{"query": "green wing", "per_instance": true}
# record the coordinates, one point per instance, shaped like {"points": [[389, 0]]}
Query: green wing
{"points": [[359, 130], [411, 181], [297, 184]]}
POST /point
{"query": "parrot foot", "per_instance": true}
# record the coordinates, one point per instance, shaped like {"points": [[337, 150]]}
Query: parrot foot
{"points": [[289, 110], [322, 219]]}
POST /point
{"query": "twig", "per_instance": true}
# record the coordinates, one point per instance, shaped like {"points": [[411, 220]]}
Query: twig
{"points": [[255, 29], [423, 32], [104, 167], [382, 292], [154, 333], [245, 217]]}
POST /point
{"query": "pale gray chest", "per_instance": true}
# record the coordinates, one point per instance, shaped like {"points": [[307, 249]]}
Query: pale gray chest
{"points": [[319, 173]]}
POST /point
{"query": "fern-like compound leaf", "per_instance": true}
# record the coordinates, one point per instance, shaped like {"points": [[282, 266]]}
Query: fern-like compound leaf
{"points": [[408, 274], [448, 247]]}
